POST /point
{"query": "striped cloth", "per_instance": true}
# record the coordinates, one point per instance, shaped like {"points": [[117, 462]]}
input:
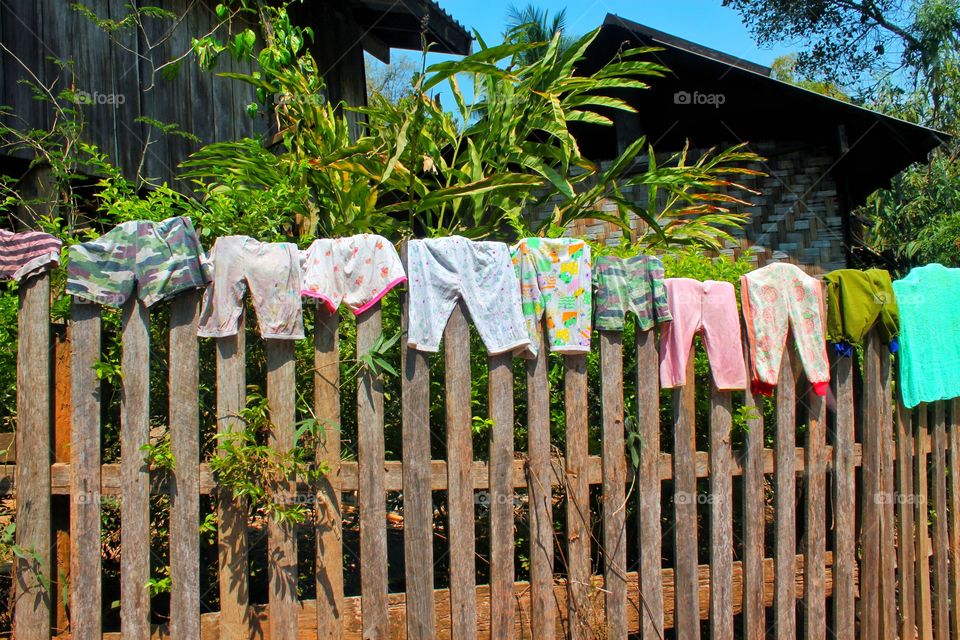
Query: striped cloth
{"points": [[22, 254]]}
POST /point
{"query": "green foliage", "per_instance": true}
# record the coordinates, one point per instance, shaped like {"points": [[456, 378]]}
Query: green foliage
{"points": [[255, 472]]}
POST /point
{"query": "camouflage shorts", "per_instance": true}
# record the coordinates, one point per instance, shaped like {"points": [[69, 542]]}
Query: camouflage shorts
{"points": [[159, 258], [629, 284]]}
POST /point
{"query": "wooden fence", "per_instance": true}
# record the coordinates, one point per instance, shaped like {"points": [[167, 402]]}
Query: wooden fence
{"points": [[826, 533]]}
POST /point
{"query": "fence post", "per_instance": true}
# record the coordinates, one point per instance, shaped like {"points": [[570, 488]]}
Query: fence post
{"points": [[372, 494], [579, 572], [326, 406], [649, 487], [134, 472], [686, 610], [461, 519], [282, 536], [231, 511], [785, 460], [85, 588], [184, 384], [417, 488], [721, 515], [844, 487], [540, 482], [33, 533], [614, 482]]}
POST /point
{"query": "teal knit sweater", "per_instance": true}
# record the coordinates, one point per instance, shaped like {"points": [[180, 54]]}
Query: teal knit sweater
{"points": [[929, 302]]}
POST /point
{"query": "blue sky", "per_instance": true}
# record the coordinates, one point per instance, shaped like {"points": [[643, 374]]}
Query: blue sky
{"points": [[703, 21]]}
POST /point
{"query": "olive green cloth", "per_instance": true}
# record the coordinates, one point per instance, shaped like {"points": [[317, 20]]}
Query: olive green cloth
{"points": [[857, 301]]}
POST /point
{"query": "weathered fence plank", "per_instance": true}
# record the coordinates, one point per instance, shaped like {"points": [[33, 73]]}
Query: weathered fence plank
{"points": [[785, 534], [921, 532], [282, 534], [578, 498], [941, 616], [372, 493], [814, 547], [329, 523], [232, 546], [954, 464], [614, 483], [648, 485], [135, 474], [543, 607], [502, 604], [753, 502], [844, 496], [906, 578], [33, 533], [417, 494], [184, 383], [871, 495], [86, 596], [686, 609], [460, 499], [721, 515], [888, 550]]}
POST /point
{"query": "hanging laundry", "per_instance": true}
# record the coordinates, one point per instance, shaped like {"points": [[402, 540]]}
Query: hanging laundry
{"points": [[929, 334], [160, 258], [356, 271], [555, 282], [858, 301], [23, 254], [271, 271], [629, 284], [777, 297], [443, 270], [709, 308]]}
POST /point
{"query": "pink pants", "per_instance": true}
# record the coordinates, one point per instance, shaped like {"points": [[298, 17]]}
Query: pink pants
{"points": [[711, 308]]}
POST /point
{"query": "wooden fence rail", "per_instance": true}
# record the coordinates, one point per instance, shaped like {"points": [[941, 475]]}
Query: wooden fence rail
{"points": [[840, 517]]}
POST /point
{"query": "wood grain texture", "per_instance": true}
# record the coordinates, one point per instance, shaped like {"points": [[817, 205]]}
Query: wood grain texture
{"points": [[785, 533], [282, 536], [649, 486], [844, 496], [614, 549], [685, 507], [753, 502], [921, 535], [502, 604], [814, 543], [85, 592], [34, 427], [888, 549], [393, 473], [721, 515], [540, 479], [135, 474], [872, 401], [329, 519], [906, 578], [417, 494], [578, 498], [184, 381], [941, 602], [396, 609], [460, 499], [371, 494], [954, 464], [232, 543]]}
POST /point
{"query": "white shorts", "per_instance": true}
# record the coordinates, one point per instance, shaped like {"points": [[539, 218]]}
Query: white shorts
{"points": [[356, 271], [442, 270]]}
